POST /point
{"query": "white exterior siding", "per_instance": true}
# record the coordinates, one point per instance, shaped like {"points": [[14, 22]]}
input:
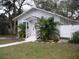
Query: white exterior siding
{"points": [[75, 28], [39, 14], [67, 30], [56, 19], [21, 21]]}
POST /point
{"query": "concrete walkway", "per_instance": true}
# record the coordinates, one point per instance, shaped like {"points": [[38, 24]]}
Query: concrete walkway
{"points": [[11, 44], [30, 39]]}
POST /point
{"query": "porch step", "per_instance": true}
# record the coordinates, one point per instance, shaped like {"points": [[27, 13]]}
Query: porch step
{"points": [[31, 39]]}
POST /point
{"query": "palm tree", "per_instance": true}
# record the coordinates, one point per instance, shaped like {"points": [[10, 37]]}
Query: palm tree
{"points": [[47, 29]]}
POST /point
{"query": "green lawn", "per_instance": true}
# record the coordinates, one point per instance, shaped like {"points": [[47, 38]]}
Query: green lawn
{"points": [[40, 51], [5, 41]]}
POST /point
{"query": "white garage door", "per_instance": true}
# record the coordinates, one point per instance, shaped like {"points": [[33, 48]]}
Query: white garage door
{"points": [[67, 30], [75, 28]]}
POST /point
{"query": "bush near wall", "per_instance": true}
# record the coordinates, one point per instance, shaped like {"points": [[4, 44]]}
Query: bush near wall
{"points": [[47, 30], [21, 32], [75, 37]]}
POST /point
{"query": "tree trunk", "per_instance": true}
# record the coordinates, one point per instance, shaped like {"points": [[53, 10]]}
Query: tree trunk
{"points": [[10, 22]]}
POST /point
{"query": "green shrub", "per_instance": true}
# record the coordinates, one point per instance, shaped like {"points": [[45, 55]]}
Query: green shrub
{"points": [[47, 30], [75, 37], [22, 30]]}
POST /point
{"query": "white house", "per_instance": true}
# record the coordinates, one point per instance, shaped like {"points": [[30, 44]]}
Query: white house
{"points": [[30, 17]]}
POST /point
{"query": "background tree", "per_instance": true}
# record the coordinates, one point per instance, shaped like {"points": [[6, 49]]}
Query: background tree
{"points": [[68, 8], [48, 5], [8, 12], [74, 9], [4, 24], [20, 4], [12, 10]]}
